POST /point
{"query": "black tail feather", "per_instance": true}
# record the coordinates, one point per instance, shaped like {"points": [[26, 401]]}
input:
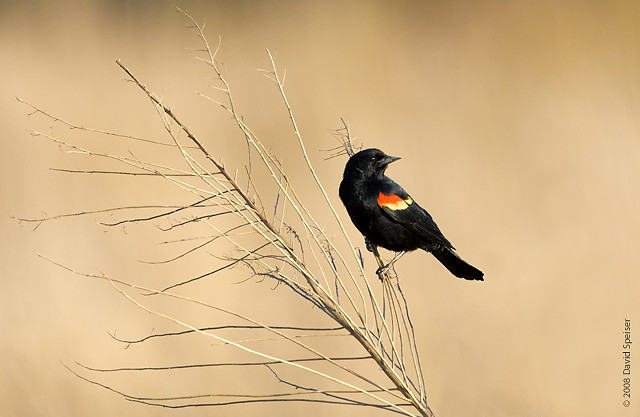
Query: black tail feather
{"points": [[456, 265]]}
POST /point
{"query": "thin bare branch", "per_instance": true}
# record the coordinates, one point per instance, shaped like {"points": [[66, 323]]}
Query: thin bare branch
{"points": [[287, 247]]}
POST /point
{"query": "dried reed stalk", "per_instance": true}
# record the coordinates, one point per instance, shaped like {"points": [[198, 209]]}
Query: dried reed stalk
{"points": [[287, 245]]}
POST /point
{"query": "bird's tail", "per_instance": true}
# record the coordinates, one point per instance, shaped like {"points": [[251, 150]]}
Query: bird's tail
{"points": [[456, 265]]}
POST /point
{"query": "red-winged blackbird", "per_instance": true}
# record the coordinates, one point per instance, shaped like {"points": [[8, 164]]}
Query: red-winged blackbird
{"points": [[387, 216]]}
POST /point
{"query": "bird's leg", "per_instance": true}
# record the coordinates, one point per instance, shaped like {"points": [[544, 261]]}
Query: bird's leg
{"points": [[370, 246], [374, 249], [384, 268]]}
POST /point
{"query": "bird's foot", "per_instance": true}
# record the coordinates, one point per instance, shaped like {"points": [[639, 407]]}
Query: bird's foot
{"points": [[383, 269], [384, 274]]}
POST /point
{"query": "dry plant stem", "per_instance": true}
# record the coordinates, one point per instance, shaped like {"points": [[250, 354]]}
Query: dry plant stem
{"points": [[267, 160], [344, 323], [385, 275], [278, 256], [86, 129], [280, 85], [363, 338], [274, 76], [333, 309], [244, 398], [113, 282], [230, 184], [117, 158]]}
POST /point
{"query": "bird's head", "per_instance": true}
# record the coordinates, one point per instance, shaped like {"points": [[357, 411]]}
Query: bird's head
{"points": [[370, 163]]}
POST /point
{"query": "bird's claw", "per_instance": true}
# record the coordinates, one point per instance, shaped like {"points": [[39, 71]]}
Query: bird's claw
{"points": [[383, 272], [383, 269]]}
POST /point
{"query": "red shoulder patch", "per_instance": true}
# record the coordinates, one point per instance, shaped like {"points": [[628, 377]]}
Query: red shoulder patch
{"points": [[393, 202]]}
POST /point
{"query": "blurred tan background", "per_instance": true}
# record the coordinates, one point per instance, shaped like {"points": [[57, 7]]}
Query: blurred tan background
{"points": [[519, 128]]}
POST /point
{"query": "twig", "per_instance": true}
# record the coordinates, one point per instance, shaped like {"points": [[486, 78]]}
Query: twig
{"points": [[288, 246]]}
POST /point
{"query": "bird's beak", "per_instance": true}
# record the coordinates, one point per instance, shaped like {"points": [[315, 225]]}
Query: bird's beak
{"points": [[387, 160]]}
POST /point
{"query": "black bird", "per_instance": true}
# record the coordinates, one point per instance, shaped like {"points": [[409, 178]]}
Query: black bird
{"points": [[387, 216]]}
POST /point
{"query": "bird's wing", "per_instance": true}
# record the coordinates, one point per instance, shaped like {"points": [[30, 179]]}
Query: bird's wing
{"points": [[398, 205]]}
